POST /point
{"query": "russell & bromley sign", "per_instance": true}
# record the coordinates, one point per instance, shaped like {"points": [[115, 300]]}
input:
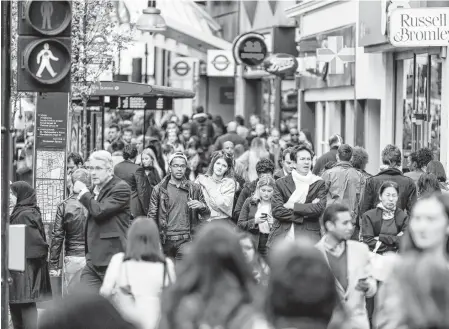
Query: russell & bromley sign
{"points": [[419, 27]]}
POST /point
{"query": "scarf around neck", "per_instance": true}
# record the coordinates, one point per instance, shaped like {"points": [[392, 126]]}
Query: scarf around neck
{"points": [[302, 184], [387, 214]]}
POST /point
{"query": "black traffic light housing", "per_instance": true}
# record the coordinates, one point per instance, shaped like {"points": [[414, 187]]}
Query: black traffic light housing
{"points": [[44, 47]]}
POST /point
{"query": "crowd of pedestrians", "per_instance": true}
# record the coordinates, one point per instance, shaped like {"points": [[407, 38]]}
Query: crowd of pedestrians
{"points": [[202, 225]]}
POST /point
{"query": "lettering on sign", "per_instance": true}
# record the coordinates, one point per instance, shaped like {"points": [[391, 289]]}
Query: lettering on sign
{"points": [[250, 49], [419, 27], [281, 64], [141, 103]]}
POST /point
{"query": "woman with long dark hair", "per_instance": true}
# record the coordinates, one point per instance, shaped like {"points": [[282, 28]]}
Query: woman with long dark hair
{"points": [[436, 167], [32, 285], [219, 186], [143, 272], [427, 184], [215, 286], [427, 236]]}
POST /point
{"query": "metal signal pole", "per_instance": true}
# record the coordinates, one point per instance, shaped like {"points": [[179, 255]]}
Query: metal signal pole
{"points": [[6, 161]]}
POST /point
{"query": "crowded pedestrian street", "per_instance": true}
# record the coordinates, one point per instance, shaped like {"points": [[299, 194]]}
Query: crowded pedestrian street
{"points": [[180, 164]]}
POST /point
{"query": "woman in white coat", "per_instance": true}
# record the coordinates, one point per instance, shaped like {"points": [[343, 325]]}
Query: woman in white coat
{"points": [[135, 279]]}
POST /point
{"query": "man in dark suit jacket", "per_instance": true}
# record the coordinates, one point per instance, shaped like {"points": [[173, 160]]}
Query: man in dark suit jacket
{"points": [[108, 219]]}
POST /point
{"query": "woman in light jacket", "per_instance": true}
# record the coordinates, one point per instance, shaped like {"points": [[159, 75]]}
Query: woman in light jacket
{"points": [[143, 271], [427, 236], [256, 216], [219, 186]]}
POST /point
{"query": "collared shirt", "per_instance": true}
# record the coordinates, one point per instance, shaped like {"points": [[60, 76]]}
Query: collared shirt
{"points": [[178, 221], [96, 191]]}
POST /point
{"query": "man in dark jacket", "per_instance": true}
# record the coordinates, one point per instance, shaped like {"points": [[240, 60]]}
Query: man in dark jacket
{"points": [[287, 165], [108, 220], [68, 229], [334, 142], [202, 127], [230, 136], [391, 157], [263, 167], [178, 207], [293, 216]]}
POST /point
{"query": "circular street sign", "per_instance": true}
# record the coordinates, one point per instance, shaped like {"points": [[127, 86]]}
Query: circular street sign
{"points": [[47, 60], [221, 62], [250, 49], [48, 17], [181, 68]]}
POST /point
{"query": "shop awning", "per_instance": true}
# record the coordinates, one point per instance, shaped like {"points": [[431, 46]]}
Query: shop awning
{"points": [[186, 21]]}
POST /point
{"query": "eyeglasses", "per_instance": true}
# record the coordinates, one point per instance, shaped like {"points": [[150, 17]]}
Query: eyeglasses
{"points": [[95, 168], [176, 166]]}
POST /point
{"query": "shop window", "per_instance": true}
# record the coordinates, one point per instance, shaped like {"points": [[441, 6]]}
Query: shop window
{"points": [[421, 102]]}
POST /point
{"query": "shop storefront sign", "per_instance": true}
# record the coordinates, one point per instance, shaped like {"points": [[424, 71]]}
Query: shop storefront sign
{"points": [[220, 63], [419, 27], [227, 95], [335, 54], [281, 64], [250, 49], [141, 103], [315, 71]]}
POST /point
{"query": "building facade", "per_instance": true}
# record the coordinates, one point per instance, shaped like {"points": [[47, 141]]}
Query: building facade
{"points": [[415, 98], [339, 92]]}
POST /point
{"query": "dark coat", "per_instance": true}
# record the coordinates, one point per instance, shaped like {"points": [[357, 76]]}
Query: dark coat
{"points": [[159, 205], [330, 156], [135, 176], [279, 174], [68, 229], [247, 191], [108, 221], [32, 285], [247, 218], [407, 190], [306, 214], [230, 137], [371, 225]]}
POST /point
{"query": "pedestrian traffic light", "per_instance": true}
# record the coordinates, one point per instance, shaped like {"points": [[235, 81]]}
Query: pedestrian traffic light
{"points": [[44, 47]]}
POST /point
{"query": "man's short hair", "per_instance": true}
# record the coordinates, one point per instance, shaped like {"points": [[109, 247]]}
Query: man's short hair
{"points": [[413, 157], [114, 125], [81, 175], [200, 109], [331, 211], [240, 120], [424, 156], [287, 151], [117, 146], [299, 148], [130, 152], [335, 139], [76, 158], [265, 166], [103, 156], [344, 152], [391, 156], [128, 130], [359, 158]]}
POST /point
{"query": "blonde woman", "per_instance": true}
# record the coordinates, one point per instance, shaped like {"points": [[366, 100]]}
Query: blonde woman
{"points": [[256, 216], [219, 186], [250, 158]]}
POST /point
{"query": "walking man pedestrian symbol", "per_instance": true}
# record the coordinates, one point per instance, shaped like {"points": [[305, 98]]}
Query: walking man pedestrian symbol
{"points": [[46, 12], [43, 58]]}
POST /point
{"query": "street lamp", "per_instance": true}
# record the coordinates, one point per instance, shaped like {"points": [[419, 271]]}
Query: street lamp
{"points": [[151, 20]]}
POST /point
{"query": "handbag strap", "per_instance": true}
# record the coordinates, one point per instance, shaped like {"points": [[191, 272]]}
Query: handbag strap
{"points": [[376, 248]]}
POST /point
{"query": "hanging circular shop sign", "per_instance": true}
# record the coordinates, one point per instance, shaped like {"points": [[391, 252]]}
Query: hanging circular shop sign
{"points": [[250, 49], [281, 64], [221, 62], [181, 68]]}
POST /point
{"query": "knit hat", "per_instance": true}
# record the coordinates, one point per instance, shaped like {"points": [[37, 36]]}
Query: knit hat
{"points": [[177, 155]]}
